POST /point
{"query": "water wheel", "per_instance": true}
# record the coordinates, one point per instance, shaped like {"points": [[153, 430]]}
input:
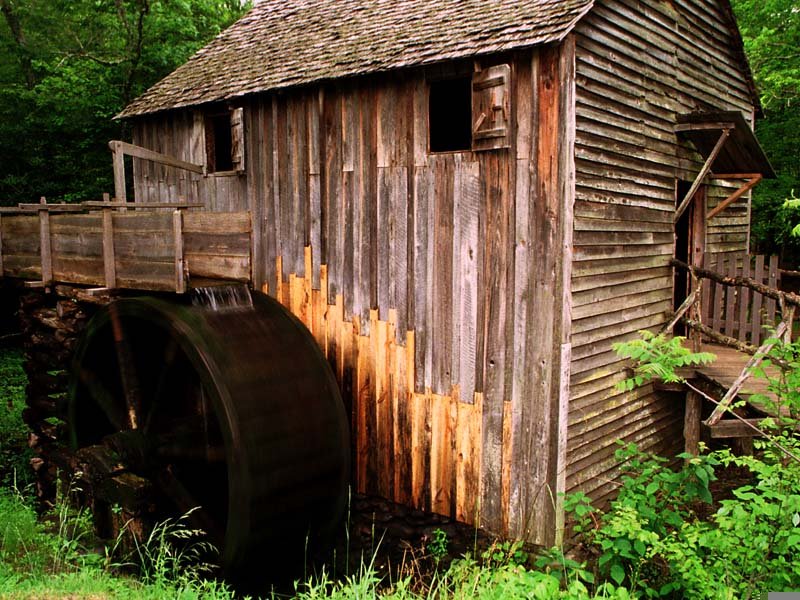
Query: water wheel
{"points": [[231, 411]]}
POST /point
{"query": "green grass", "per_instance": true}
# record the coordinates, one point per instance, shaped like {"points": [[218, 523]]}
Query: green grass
{"points": [[56, 556], [14, 452]]}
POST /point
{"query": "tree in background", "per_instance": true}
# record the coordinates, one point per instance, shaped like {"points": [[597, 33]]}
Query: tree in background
{"points": [[771, 33], [68, 66]]}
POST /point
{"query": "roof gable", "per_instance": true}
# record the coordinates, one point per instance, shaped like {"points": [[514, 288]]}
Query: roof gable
{"points": [[282, 43]]}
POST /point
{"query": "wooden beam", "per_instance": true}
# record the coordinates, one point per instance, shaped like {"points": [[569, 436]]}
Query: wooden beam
{"points": [[109, 258], [91, 204], [734, 428], [118, 158], [733, 391], [735, 175], [180, 274], [684, 307], [702, 174], [720, 338], [702, 126], [46, 248], [114, 204], [733, 197], [152, 155], [59, 207], [691, 423]]}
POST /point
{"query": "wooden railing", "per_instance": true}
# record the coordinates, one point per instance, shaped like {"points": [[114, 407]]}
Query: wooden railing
{"points": [[736, 302], [737, 310]]}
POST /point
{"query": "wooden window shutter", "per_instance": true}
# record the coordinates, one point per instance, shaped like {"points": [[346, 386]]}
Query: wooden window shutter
{"points": [[491, 109], [237, 139]]}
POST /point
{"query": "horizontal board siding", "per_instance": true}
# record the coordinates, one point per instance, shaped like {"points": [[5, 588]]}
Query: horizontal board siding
{"points": [[638, 64]]}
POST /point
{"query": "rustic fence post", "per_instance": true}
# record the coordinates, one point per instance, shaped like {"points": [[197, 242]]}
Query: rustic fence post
{"points": [[45, 245], [109, 259]]}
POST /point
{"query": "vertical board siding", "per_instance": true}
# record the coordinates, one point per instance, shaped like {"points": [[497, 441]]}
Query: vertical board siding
{"points": [[431, 281], [638, 64], [415, 277], [180, 134]]}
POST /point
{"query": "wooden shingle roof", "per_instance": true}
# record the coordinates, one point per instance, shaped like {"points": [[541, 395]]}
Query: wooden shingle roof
{"points": [[282, 43]]}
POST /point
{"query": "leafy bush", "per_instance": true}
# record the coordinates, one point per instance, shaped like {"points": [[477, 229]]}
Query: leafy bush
{"points": [[657, 357], [652, 538]]}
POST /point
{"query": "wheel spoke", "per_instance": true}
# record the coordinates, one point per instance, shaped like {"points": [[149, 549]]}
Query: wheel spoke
{"points": [[170, 354], [103, 398], [186, 502], [127, 368]]}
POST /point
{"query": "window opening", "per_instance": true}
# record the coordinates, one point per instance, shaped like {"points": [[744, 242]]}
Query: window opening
{"points": [[450, 115], [219, 143]]}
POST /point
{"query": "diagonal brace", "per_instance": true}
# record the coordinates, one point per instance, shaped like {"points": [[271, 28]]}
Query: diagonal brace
{"points": [[702, 174]]}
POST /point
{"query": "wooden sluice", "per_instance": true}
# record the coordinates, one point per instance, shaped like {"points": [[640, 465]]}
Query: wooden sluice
{"points": [[141, 246]]}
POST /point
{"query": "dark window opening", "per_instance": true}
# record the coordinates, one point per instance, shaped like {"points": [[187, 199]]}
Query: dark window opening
{"points": [[219, 144], [450, 115]]}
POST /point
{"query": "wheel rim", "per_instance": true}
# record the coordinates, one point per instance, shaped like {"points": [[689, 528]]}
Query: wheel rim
{"points": [[182, 395]]}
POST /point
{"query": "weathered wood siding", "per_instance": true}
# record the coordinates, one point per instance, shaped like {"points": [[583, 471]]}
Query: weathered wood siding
{"points": [[434, 282], [181, 134], [639, 63]]}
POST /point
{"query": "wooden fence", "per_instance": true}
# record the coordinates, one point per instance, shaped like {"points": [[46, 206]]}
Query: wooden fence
{"points": [[738, 311]]}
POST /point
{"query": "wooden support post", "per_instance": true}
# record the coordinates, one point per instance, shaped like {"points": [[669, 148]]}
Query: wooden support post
{"points": [[118, 156], [691, 423], [180, 274], [109, 258], [46, 249], [702, 174]]}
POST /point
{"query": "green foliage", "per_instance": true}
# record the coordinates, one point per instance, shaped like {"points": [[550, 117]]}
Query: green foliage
{"points": [[657, 357], [14, 452], [79, 62], [781, 370], [437, 546], [505, 552], [772, 218], [464, 579], [174, 552], [54, 557], [771, 33], [652, 540]]}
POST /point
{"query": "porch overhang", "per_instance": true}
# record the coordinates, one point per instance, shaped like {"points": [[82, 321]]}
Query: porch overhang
{"points": [[730, 149]]}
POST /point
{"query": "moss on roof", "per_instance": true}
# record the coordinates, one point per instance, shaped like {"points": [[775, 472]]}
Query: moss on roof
{"points": [[282, 43]]}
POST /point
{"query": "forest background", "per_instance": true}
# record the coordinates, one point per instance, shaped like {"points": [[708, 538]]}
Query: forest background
{"points": [[68, 66]]}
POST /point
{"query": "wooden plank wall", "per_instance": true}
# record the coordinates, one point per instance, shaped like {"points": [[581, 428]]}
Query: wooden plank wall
{"points": [[638, 64], [434, 282], [181, 134]]}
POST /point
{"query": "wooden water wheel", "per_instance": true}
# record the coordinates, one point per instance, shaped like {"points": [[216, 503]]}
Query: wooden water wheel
{"points": [[232, 412]]}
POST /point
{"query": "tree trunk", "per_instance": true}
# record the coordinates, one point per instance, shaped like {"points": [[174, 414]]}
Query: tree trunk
{"points": [[25, 62]]}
